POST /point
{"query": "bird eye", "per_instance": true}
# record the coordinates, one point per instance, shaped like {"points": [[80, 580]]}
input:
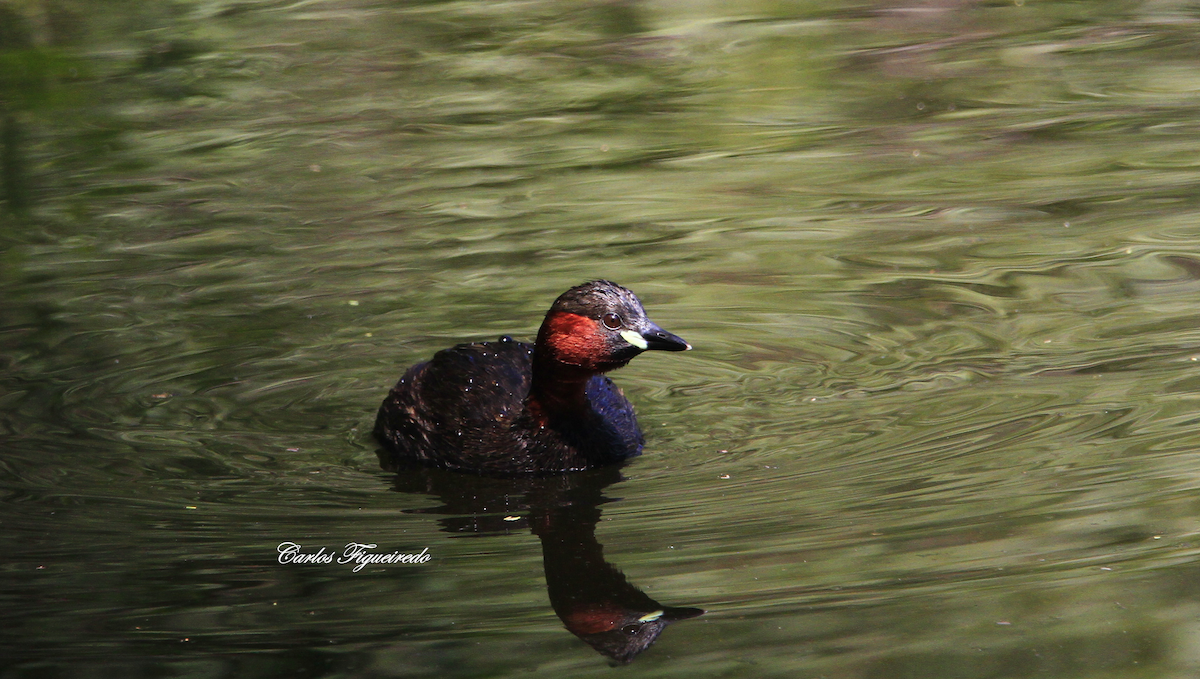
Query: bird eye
{"points": [[612, 321], [630, 630]]}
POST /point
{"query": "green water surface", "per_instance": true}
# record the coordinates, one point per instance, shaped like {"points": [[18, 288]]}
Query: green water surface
{"points": [[939, 261]]}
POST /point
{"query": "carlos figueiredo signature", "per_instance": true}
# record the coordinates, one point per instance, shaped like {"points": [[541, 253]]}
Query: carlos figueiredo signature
{"points": [[358, 553]]}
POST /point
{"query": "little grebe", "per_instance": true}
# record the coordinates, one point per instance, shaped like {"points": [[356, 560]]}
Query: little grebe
{"points": [[507, 407]]}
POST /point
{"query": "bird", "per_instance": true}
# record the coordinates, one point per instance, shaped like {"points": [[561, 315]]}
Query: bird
{"points": [[509, 408]]}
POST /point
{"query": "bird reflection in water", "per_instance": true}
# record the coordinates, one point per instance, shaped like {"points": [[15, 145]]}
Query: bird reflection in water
{"points": [[593, 599]]}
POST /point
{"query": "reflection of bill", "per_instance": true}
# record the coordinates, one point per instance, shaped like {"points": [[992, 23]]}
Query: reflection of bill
{"points": [[355, 552]]}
